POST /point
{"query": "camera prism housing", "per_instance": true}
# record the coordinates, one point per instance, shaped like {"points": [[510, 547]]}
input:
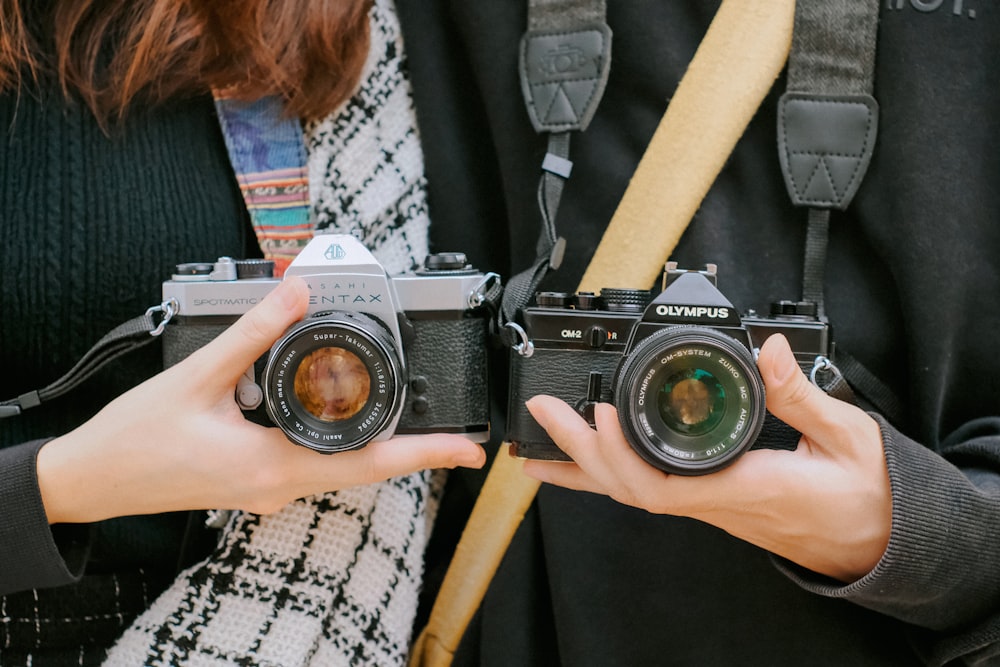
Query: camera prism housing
{"points": [[680, 368], [374, 356]]}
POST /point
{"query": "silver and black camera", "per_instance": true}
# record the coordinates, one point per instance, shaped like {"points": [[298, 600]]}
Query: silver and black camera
{"points": [[680, 369], [374, 356]]}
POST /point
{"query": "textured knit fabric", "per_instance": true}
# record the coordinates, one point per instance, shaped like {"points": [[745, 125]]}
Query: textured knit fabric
{"points": [[21, 532], [366, 170], [910, 287], [332, 579], [92, 224], [329, 580]]}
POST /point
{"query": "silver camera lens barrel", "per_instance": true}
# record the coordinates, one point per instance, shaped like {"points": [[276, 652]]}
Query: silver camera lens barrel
{"points": [[334, 381], [690, 399]]}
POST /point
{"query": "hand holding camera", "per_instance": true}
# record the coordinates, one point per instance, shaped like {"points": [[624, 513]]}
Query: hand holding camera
{"points": [[825, 505], [374, 355], [696, 389], [180, 440]]}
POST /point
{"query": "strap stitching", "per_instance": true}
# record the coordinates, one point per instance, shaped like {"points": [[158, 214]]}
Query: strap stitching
{"points": [[864, 149]]}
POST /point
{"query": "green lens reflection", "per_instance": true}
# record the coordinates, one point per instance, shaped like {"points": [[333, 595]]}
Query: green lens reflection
{"points": [[692, 402]]}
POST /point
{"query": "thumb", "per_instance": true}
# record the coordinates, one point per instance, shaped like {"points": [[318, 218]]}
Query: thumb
{"points": [[239, 346], [791, 397]]}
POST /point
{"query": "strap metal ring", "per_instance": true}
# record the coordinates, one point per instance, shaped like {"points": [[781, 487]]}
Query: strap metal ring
{"points": [[169, 308], [821, 363], [478, 295], [525, 347]]}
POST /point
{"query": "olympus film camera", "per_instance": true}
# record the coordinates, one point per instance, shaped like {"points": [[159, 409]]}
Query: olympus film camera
{"points": [[680, 369], [374, 356]]}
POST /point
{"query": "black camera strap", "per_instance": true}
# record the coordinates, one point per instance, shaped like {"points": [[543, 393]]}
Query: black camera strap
{"points": [[827, 125], [564, 60], [827, 118], [126, 337]]}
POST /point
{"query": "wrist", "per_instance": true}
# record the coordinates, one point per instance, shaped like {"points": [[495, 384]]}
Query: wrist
{"points": [[69, 491]]}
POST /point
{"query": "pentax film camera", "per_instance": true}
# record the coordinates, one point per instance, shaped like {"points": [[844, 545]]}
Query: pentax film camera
{"points": [[374, 356], [680, 369]]}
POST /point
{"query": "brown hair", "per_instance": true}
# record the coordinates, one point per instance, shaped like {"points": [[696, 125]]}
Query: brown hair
{"points": [[109, 53]]}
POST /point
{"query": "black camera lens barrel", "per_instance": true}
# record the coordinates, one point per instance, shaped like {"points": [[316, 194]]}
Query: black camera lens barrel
{"points": [[689, 432], [356, 334]]}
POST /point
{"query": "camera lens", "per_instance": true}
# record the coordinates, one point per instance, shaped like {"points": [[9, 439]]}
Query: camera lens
{"points": [[333, 381], [690, 399]]}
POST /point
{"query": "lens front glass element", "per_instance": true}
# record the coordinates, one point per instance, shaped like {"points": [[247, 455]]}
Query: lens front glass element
{"points": [[689, 399], [332, 383], [692, 402]]}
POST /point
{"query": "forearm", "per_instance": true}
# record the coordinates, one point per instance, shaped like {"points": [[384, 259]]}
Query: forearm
{"points": [[941, 570], [33, 554]]}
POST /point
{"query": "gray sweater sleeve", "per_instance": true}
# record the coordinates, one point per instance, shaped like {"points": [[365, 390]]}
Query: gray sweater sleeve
{"points": [[33, 554], [941, 570]]}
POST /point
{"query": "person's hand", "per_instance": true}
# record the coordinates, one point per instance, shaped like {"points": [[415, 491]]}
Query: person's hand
{"points": [[179, 441], [825, 506]]}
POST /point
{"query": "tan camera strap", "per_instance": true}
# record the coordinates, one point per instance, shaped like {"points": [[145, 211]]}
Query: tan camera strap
{"points": [[741, 55]]}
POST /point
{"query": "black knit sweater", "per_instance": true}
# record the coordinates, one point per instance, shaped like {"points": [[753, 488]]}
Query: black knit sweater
{"points": [[92, 223]]}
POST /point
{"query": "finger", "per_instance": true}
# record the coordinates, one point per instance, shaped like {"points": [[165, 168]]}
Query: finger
{"points": [[406, 454], [792, 398], [603, 455], [239, 346], [566, 474], [571, 433], [618, 455], [564, 425]]}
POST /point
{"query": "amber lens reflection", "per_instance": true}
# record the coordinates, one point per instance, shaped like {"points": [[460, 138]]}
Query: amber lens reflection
{"points": [[332, 383]]}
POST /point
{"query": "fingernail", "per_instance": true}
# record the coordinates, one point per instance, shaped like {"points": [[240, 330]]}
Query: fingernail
{"points": [[535, 411], [287, 295], [469, 458], [784, 362]]}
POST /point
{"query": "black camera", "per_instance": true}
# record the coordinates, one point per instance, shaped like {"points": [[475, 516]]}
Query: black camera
{"points": [[375, 355], [680, 369]]}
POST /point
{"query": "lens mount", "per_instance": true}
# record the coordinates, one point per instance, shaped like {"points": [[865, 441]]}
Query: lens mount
{"points": [[334, 381], [690, 399]]}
